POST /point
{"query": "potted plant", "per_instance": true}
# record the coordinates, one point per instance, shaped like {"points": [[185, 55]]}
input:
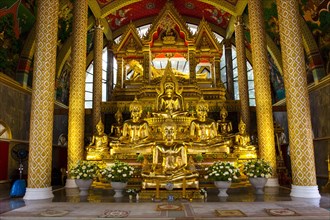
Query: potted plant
{"points": [[118, 174], [84, 172], [130, 193], [258, 171], [222, 173]]}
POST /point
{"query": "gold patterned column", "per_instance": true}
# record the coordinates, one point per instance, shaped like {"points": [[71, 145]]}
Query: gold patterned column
{"points": [[266, 140], [77, 87], [120, 72], [97, 73], [297, 101], [242, 72], [42, 104]]}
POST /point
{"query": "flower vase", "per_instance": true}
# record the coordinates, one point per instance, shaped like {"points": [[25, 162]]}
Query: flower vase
{"points": [[130, 197], [222, 187], [259, 184], [118, 187], [83, 186]]}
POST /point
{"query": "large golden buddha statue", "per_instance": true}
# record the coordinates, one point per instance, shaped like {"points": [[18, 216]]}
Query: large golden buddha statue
{"points": [[172, 156], [204, 133], [98, 148]]}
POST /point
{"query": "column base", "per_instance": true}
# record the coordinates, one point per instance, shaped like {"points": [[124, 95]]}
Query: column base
{"points": [[272, 182], [38, 193], [305, 191], [70, 183]]}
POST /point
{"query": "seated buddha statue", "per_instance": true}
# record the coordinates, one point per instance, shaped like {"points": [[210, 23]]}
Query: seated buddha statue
{"points": [[224, 125], [204, 132], [169, 161], [135, 130], [98, 148], [242, 139], [117, 127]]}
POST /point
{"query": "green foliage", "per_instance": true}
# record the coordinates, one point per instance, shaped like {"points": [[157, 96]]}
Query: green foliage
{"points": [[257, 168]]}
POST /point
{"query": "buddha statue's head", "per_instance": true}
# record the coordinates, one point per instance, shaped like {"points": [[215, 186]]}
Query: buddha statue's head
{"points": [[119, 117], [169, 130], [100, 127], [201, 109], [169, 89], [223, 113], [242, 127], [135, 109]]}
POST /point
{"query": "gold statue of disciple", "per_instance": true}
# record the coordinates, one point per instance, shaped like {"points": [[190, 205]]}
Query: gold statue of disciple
{"points": [[98, 147], [135, 130], [242, 139], [173, 157], [224, 125]]}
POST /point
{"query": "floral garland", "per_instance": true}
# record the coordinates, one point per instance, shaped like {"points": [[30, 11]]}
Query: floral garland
{"points": [[222, 171]]}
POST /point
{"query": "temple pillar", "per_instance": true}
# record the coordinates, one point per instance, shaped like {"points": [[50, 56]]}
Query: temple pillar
{"points": [[77, 88], [146, 64], [242, 73], [266, 140], [217, 71], [297, 102], [110, 75], [97, 73], [42, 103], [229, 69], [120, 72], [192, 64]]}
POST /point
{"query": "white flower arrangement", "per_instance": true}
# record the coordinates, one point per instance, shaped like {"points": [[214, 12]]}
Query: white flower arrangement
{"points": [[222, 171], [84, 170], [257, 168], [119, 172]]}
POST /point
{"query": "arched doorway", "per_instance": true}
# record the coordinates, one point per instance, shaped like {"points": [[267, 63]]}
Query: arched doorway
{"points": [[5, 136]]}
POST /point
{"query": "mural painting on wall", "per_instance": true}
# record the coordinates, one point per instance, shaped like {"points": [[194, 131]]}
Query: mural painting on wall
{"points": [[65, 19], [15, 20], [277, 83], [317, 17], [62, 86]]}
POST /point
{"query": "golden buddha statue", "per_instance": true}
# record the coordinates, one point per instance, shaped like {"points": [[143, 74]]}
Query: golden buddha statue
{"points": [[98, 148], [117, 128], [135, 130], [173, 157], [204, 133], [224, 125], [243, 146]]}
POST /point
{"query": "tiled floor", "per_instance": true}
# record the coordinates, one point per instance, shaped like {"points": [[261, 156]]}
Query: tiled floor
{"points": [[242, 198]]}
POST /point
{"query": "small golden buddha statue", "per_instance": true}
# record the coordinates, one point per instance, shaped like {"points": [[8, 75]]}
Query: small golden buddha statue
{"points": [[224, 125], [135, 130], [98, 148], [173, 157], [117, 128], [242, 139]]}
